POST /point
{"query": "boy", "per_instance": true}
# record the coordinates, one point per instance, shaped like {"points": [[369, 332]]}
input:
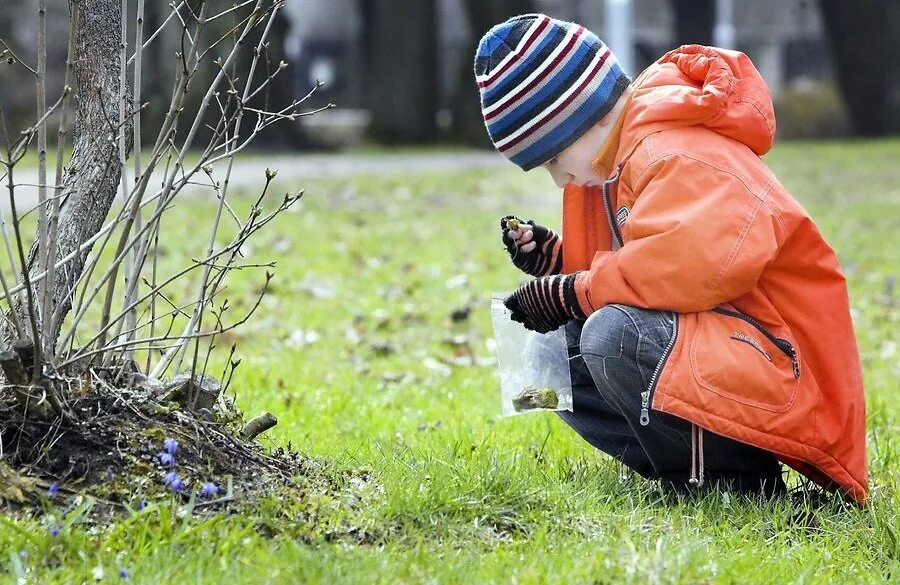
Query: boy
{"points": [[708, 320]]}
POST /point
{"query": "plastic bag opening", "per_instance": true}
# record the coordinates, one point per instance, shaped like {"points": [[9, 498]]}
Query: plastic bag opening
{"points": [[533, 367]]}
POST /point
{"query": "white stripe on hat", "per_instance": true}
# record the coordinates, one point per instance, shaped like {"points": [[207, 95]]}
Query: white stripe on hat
{"points": [[575, 105], [537, 120], [532, 30], [539, 71]]}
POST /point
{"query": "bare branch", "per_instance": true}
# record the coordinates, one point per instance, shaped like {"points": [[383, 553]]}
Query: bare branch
{"points": [[43, 235], [158, 30], [232, 9], [180, 339], [29, 296], [8, 53]]}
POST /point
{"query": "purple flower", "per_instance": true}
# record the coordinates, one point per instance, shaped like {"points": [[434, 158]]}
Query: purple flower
{"points": [[123, 573], [53, 489], [170, 446], [54, 531], [142, 504], [166, 459], [176, 485], [109, 475], [170, 477], [209, 490]]}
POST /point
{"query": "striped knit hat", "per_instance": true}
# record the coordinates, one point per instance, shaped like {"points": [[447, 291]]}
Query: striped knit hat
{"points": [[543, 84]]}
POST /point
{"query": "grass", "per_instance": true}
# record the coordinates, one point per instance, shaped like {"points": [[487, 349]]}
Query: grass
{"points": [[356, 353]]}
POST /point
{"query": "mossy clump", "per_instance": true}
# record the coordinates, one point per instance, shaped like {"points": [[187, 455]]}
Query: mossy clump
{"points": [[531, 398]]}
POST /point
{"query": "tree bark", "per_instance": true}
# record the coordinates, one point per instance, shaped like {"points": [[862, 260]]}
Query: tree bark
{"points": [[92, 177], [864, 37]]}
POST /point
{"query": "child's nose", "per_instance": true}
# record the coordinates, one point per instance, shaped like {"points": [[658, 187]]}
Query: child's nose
{"points": [[561, 178]]}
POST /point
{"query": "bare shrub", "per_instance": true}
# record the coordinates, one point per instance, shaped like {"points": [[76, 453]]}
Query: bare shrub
{"points": [[88, 305]]}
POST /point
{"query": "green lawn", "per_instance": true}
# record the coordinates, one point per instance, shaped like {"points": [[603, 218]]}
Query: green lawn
{"points": [[356, 353]]}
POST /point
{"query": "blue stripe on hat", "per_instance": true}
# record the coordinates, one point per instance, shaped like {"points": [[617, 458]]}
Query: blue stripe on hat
{"points": [[589, 113], [503, 125], [524, 68], [541, 142], [499, 42]]}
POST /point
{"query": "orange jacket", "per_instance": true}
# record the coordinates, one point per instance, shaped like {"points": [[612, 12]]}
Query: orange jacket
{"points": [[764, 350]]}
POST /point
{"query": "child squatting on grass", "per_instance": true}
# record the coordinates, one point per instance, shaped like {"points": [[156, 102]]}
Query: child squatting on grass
{"points": [[708, 320]]}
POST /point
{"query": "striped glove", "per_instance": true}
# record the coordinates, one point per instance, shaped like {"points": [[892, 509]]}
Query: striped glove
{"points": [[542, 258], [546, 303]]}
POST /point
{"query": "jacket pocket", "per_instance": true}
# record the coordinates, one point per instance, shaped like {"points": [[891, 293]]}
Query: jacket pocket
{"points": [[739, 358]]}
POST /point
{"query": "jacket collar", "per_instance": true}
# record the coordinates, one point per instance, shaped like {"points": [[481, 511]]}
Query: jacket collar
{"points": [[605, 160]]}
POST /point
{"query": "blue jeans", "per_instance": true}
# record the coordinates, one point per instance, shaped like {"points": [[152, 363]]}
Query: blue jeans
{"points": [[613, 356]]}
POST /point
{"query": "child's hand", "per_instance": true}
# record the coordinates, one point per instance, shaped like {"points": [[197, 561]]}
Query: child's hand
{"points": [[523, 237], [533, 248], [546, 303]]}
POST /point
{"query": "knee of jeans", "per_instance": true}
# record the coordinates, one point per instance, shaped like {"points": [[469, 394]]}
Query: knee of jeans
{"points": [[603, 332]]}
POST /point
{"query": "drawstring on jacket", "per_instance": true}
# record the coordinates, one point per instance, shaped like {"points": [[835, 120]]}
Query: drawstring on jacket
{"points": [[696, 456]]}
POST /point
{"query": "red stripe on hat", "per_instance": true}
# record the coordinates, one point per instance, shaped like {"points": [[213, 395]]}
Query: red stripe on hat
{"points": [[562, 55], [535, 33], [561, 106]]}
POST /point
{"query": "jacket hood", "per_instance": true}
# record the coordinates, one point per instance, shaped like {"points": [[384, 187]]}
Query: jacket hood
{"points": [[695, 85]]}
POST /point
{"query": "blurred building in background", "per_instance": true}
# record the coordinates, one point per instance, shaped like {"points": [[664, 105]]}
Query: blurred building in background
{"points": [[400, 71], [329, 42]]}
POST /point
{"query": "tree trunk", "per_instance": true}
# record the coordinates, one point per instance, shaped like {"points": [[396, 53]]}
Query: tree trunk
{"points": [[694, 21], [404, 70], [468, 126], [865, 38], [92, 176]]}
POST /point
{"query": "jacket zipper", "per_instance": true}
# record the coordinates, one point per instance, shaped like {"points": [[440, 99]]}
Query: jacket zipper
{"points": [[607, 205], [783, 344], [617, 242], [754, 344], [647, 395]]}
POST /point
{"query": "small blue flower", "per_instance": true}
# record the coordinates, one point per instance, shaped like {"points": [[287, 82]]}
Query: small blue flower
{"points": [[166, 459], [53, 489], [142, 504], [174, 482], [54, 531], [109, 475], [170, 446], [124, 574], [209, 490]]}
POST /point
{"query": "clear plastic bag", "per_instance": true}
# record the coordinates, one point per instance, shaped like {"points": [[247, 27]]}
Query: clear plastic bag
{"points": [[534, 367]]}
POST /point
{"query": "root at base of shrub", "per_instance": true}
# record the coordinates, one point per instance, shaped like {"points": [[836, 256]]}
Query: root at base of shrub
{"points": [[114, 447]]}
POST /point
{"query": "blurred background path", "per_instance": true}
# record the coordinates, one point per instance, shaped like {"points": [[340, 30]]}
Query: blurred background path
{"points": [[248, 170]]}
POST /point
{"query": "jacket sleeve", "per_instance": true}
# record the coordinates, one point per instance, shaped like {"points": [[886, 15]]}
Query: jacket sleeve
{"points": [[697, 236]]}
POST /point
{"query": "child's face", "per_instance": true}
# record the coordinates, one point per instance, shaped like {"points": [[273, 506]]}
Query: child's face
{"points": [[573, 164]]}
